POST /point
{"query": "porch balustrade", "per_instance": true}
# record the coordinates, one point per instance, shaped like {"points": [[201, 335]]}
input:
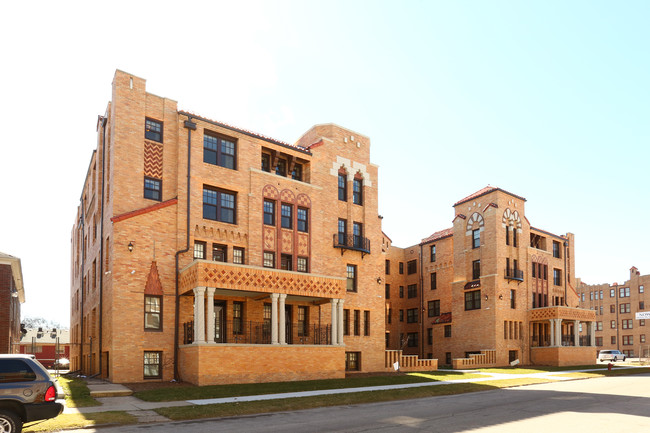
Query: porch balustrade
{"points": [[250, 332]]}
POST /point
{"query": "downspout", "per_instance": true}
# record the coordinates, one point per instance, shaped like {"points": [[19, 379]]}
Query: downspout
{"points": [[101, 246], [421, 307], [83, 289], [566, 273], [191, 126]]}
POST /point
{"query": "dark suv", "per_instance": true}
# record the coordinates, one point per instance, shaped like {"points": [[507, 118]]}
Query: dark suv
{"points": [[27, 392]]}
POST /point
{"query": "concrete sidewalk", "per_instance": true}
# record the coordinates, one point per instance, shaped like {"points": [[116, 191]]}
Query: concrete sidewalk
{"points": [[137, 407]]}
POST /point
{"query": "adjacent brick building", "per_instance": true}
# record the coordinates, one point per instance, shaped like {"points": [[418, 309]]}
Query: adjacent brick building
{"points": [[490, 290], [615, 307], [212, 254], [47, 345], [12, 294]]}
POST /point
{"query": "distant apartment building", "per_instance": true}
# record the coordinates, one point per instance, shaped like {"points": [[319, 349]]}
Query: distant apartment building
{"points": [[616, 307], [490, 290], [12, 294], [47, 345]]}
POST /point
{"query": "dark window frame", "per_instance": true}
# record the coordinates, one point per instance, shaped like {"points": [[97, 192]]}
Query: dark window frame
{"points": [[433, 308], [302, 264], [343, 187], [214, 152], [433, 280], [271, 255], [357, 191], [302, 219], [286, 216], [476, 238], [351, 280], [218, 207], [153, 129], [149, 313], [150, 191], [269, 212], [411, 267], [472, 300], [159, 355], [239, 255]]}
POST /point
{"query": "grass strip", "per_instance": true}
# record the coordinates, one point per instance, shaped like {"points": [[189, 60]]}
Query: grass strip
{"points": [[220, 391], [77, 393], [541, 369], [290, 404], [605, 373], [77, 420]]}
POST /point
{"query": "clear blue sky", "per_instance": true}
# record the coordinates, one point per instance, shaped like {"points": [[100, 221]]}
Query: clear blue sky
{"points": [[548, 100]]}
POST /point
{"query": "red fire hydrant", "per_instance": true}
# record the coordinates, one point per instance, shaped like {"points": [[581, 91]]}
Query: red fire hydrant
{"points": [[609, 366]]}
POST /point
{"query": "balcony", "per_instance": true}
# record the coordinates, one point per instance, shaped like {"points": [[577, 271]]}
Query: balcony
{"points": [[514, 274], [352, 242]]}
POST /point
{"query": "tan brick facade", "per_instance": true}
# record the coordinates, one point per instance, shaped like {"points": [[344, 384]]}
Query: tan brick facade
{"points": [[469, 290], [149, 236], [615, 307]]}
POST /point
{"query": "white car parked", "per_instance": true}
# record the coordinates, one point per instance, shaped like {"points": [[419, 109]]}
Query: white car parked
{"points": [[611, 355]]}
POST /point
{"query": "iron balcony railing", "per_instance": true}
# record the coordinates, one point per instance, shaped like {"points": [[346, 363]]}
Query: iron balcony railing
{"points": [[352, 242], [567, 340], [249, 332], [514, 274]]}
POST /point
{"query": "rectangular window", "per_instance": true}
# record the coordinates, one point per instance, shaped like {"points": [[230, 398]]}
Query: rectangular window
{"points": [[199, 250], [507, 235], [514, 237], [411, 267], [612, 308], [387, 269], [434, 281], [296, 172], [599, 341], [152, 188], [612, 293], [266, 162], [352, 278], [153, 130], [357, 322], [238, 255], [599, 326], [430, 338], [512, 299], [219, 205], [352, 361], [152, 313], [642, 338], [401, 268], [219, 151], [612, 324], [434, 308], [641, 305], [412, 315], [390, 316], [357, 232], [473, 300], [366, 323], [534, 273], [401, 315], [269, 212], [401, 291], [624, 292], [269, 259], [476, 269], [628, 340], [302, 215], [286, 262], [642, 322], [412, 339], [303, 321], [640, 289], [343, 231], [302, 264], [447, 331], [237, 318], [557, 277], [343, 187], [476, 238], [412, 290], [624, 308], [626, 323], [556, 249], [219, 253], [357, 191], [387, 291], [152, 365], [433, 253], [281, 167], [346, 322], [601, 294], [613, 339], [287, 216]]}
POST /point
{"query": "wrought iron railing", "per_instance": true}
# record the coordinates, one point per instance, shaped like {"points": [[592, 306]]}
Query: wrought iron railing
{"points": [[352, 242], [514, 274], [249, 332]]}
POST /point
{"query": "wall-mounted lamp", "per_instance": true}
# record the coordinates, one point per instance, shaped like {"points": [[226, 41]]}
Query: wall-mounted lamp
{"points": [[501, 297], [130, 247], [14, 293], [486, 298], [378, 280]]}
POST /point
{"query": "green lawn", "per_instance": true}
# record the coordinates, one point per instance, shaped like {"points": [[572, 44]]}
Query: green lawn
{"points": [[219, 391], [70, 421], [77, 393], [540, 369]]}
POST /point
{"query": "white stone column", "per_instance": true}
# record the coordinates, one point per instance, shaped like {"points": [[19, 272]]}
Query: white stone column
{"points": [[552, 331], [576, 333], [283, 322], [592, 335], [339, 339], [274, 318], [210, 319], [335, 321], [199, 315]]}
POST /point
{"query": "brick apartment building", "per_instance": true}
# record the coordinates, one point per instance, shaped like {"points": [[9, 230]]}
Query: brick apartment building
{"points": [[213, 254], [12, 294], [47, 345], [615, 307], [490, 290]]}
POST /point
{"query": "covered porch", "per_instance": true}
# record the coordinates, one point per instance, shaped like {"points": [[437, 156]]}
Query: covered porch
{"points": [[250, 324], [555, 336]]}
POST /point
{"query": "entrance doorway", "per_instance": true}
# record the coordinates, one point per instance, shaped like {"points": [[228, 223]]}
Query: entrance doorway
{"points": [[288, 314], [220, 321]]}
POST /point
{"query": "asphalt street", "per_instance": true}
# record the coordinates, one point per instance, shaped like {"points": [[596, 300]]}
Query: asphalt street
{"points": [[604, 404]]}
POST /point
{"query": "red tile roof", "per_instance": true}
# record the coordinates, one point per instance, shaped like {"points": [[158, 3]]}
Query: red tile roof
{"points": [[243, 131], [439, 235], [484, 191]]}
